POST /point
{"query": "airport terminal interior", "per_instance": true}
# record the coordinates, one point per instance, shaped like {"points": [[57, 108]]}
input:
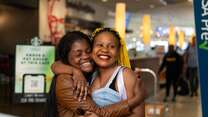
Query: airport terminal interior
{"points": [[150, 26]]}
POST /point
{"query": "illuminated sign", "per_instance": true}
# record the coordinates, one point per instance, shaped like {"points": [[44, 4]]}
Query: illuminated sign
{"points": [[201, 22], [32, 73]]}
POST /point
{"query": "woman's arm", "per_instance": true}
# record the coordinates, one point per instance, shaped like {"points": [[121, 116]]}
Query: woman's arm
{"points": [[79, 82], [65, 97], [59, 68], [131, 82], [119, 109]]}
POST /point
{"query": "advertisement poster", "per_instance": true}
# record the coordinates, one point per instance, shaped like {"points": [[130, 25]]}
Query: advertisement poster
{"points": [[52, 14], [32, 73], [201, 23]]}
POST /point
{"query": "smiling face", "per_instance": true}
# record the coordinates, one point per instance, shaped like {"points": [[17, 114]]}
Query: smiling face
{"points": [[105, 49], [80, 56]]}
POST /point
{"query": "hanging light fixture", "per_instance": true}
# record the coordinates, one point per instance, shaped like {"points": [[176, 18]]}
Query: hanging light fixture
{"points": [[172, 36], [146, 29], [120, 17], [120, 26], [181, 39]]}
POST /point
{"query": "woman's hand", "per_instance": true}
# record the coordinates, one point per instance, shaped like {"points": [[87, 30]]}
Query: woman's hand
{"points": [[80, 89], [80, 85]]}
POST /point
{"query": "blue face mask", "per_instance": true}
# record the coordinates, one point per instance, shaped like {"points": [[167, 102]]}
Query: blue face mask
{"points": [[105, 96]]}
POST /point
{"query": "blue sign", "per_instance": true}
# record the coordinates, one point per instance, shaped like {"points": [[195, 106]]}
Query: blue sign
{"points": [[128, 17], [201, 22]]}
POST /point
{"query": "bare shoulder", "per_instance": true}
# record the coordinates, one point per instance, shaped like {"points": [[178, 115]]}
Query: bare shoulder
{"points": [[129, 74], [129, 81]]}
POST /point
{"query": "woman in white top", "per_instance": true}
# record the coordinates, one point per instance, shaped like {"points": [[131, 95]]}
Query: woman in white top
{"points": [[105, 53]]}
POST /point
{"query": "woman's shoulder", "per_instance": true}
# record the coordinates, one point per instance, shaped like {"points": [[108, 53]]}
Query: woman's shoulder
{"points": [[127, 71], [128, 74], [129, 78]]}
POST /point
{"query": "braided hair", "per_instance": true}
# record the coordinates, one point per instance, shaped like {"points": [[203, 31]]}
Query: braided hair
{"points": [[123, 58], [110, 30]]}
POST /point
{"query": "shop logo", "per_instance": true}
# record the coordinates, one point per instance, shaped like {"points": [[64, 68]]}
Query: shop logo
{"points": [[204, 24], [204, 45]]}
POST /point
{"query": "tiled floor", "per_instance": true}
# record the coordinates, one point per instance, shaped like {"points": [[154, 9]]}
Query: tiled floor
{"points": [[185, 106]]}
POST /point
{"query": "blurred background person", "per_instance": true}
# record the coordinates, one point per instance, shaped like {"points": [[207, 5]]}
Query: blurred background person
{"points": [[191, 59], [173, 64]]}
